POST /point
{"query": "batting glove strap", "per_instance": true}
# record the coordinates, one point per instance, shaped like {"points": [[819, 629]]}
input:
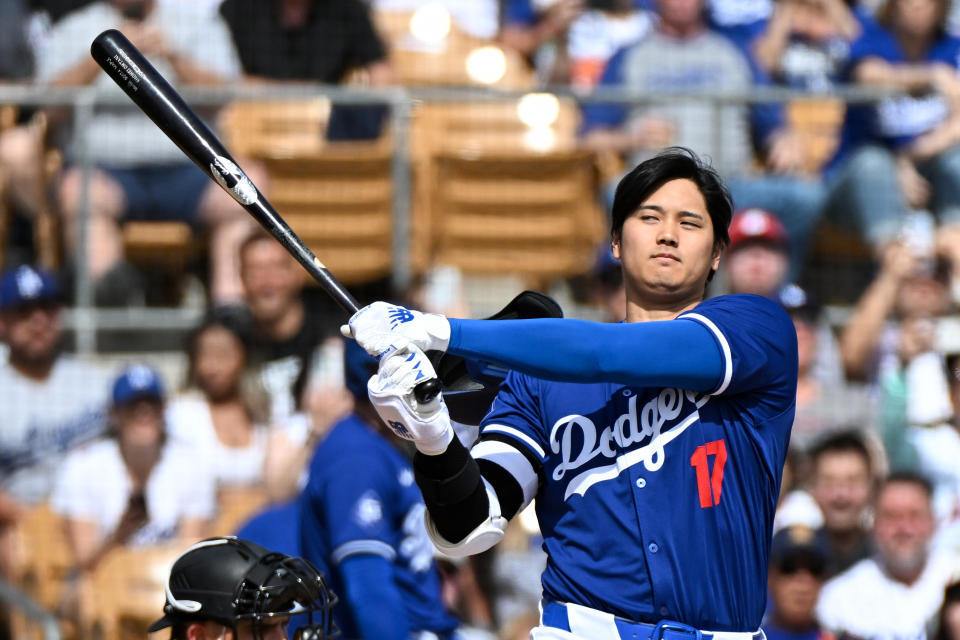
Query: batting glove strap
{"points": [[487, 534], [382, 327], [431, 434]]}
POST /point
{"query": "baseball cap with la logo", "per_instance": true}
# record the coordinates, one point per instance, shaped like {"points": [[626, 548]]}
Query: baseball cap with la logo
{"points": [[27, 285]]}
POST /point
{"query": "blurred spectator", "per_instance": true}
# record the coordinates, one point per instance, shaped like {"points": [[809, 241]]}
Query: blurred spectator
{"points": [[931, 432], [739, 20], [218, 417], [841, 482], [757, 259], [363, 519], [136, 487], [898, 592], [891, 320], [288, 336], [21, 144], [684, 54], [902, 153], [571, 41], [796, 506], [797, 570], [315, 41], [140, 174], [16, 57], [806, 43], [607, 290], [948, 627], [823, 400], [51, 402]]}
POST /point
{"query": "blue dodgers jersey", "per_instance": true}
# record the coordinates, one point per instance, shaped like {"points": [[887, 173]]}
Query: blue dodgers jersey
{"points": [[361, 498], [658, 503]]}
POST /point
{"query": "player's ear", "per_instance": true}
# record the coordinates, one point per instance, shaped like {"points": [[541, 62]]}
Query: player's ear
{"points": [[715, 260], [615, 246]]}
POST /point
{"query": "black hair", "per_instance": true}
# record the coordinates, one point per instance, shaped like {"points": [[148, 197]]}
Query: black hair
{"points": [[674, 163], [236, 320], [908, 477], [843, 441], [951, 595]]}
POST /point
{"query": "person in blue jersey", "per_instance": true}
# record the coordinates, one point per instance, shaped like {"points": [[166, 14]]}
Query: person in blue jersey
{"points": [[653, 447], [361, 521], [903, 152]]}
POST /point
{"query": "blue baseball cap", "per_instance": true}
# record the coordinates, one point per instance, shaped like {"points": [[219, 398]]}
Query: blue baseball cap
{"points": [[28, 285], [135, 382]]}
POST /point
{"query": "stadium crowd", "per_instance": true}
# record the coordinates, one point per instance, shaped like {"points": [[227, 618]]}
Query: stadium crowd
{"points": [[867, 534]]}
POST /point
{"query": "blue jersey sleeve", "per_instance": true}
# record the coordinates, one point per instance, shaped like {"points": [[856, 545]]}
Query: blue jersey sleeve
{"points": [[666, 353], [374, 599], [759, 346], [515, 413], [609, 115], [356, 509]]}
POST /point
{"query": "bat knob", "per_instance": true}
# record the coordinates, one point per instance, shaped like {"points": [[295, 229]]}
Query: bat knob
{"points": [[427, 390]]}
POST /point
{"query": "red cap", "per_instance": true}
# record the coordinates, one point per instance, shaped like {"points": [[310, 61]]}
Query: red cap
{"points": [[756, 225]]}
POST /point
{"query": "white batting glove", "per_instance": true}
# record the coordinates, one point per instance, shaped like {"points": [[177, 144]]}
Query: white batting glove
{"points": [[391, 392], [382, 327]]}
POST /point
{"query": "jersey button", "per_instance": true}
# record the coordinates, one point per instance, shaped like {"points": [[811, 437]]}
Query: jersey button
{"points": [[641, 483], [664, 611], [653, 547]]}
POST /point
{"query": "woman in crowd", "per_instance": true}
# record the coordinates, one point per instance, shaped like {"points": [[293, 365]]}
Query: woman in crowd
{"points": [[217, 414]]}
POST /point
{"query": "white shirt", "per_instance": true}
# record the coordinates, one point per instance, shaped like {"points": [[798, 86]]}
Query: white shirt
{"points": [[41, 421], [866, 602], [189, 422], [94, 486]]}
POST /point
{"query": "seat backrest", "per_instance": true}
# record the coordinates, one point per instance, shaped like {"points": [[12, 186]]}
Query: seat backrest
{"points": [[517, 213], [126, 590], [339, 200], [276, 128], [819, 121], [235, 505], [43, 554]]}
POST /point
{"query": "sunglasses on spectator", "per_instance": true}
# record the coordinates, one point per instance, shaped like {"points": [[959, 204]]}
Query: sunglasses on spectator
{"points": [[792, 565]]}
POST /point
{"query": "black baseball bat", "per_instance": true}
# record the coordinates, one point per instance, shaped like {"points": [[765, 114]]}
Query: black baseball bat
{"points": [[124, 63]]}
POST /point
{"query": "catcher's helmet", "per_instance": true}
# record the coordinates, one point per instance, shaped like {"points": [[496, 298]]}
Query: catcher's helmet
{"points": [[227, 580]]}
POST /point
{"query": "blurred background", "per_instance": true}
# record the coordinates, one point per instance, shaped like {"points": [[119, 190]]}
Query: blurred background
{"points": [[449, 154]]}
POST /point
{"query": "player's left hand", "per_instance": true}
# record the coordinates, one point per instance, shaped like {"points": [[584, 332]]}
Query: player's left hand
{"points": [[391, 393], [381, 327]]}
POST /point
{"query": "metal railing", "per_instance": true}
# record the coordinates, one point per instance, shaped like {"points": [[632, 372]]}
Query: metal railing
{"points": [[16, 599], [85, 319]]}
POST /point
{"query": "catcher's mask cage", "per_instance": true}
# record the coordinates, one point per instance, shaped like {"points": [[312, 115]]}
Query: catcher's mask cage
{"points": [[228, 580]]}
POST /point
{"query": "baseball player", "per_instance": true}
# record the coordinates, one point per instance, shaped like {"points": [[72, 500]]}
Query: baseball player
{"points": [[361, 519], [654, 447], [232, 589]]}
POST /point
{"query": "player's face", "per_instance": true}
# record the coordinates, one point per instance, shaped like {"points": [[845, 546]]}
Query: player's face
{"points": [[272, 280], [902, 527], [841, 487], [666, 248], [32, 331], [756, 268], [219, 363]]}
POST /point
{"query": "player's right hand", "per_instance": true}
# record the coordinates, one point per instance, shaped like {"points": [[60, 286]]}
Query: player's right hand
{"points": [[381, 327], [391, 393]]}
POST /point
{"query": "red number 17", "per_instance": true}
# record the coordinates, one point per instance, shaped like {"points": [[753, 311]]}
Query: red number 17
{"points": [[709, 484]]}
